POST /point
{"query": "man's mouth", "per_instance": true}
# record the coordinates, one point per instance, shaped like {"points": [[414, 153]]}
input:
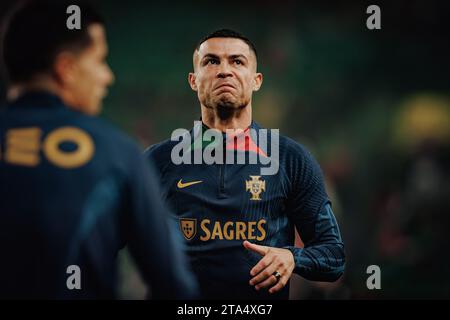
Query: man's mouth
{"points": [[225, 85]]}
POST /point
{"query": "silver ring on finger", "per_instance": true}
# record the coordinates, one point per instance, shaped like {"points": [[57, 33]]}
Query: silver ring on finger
{"points": [[277, 275]]}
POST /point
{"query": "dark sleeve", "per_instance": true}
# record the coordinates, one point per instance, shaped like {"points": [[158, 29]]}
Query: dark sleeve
{"points": [[323, 257], [151, 239]]}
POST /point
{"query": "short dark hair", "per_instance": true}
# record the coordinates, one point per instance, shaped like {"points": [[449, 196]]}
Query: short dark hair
{"points": [[227, 33], [36, 33]]}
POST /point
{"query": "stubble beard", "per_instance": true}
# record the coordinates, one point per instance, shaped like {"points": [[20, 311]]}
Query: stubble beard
{"points": [[226, 108]]}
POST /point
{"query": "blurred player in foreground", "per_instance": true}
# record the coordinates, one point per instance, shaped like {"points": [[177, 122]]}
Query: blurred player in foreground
{"points": [[74, 190]]}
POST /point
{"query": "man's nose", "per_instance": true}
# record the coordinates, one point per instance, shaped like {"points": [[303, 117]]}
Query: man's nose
{"points": [[224, 71], [110, 78]]}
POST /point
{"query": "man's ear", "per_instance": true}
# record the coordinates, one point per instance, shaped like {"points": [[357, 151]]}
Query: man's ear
{"points": [[64, 67], [191, 80], [258, 80]]}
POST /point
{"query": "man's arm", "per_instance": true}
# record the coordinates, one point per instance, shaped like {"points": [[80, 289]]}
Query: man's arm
{"points": [[323, 257], [151, 239]]}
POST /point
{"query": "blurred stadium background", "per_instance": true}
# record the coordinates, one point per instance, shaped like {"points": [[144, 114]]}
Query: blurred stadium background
{"points": [[372, 106]]}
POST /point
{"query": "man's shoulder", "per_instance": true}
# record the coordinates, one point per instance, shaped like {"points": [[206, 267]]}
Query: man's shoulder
{"points": [[113, 146], [159, 154], [104, 131], [287, 146], [296, 159], [292, 148], [160, 150], [50, 119]]}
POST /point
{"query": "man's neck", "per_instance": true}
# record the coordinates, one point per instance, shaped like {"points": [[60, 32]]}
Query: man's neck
{"points": [[240, 119], [38, 84]]}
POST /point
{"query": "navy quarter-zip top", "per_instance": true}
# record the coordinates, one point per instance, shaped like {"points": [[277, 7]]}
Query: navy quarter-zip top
{"points": [[218, 206]]}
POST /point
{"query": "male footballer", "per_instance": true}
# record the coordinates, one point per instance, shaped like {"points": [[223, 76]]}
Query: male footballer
{"points": [[239, 224], [73, 189]]}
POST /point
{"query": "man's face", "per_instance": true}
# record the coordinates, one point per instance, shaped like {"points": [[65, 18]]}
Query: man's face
{"points": [[225, 73], [89, 75]]}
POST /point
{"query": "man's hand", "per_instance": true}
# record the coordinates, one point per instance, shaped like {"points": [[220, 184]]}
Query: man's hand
{"points": [[274, 260]]}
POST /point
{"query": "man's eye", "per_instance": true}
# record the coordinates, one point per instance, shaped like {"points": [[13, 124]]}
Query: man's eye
{"points": [[238, 61], [213, 61]]}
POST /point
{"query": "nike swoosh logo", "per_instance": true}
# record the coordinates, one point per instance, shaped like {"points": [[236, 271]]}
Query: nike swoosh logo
{"points": [[182, 185]]}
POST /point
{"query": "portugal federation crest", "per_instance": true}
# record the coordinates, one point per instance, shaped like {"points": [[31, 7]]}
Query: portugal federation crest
{"points": [[188, 227], [255, 186]]}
